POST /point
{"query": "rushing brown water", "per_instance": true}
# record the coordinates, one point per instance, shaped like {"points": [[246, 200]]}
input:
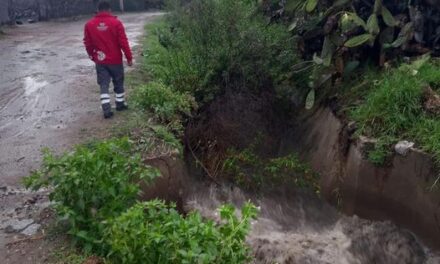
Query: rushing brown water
{"points": [[300, 228]]}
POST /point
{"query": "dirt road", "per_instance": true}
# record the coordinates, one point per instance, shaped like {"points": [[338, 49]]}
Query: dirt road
{"points": [[48, 93], [48, 98]]}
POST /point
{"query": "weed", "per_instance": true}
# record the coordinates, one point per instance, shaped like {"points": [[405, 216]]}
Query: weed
{"points": [[67, 256], [149, 140], [165, 103], [253, 172], [153, 232], [91, 185], [290, 166], [133, 120], [381, 151], [169, 138]]}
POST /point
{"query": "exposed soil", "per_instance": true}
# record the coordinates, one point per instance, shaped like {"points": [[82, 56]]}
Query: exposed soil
{"points": [[48, 98], [236, 119]]}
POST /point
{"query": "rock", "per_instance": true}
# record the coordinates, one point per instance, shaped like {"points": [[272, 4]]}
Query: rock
{"points": [[9, 229], [402, 147], [31, 200], [15, 225], [31, 230]]}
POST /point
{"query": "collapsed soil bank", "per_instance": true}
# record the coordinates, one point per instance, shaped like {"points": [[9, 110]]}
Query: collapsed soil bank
{"points": [[292, 226], [400, 192]]}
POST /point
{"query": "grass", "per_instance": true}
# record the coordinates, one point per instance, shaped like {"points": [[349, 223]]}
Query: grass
{"points": [[392, 109], [67, 255], [140, 125]]}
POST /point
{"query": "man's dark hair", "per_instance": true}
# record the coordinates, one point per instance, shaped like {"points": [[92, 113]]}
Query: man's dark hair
{"points": [[104, 6]]}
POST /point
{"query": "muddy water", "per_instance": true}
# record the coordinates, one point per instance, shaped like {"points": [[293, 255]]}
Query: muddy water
{"points": [[48, 95], [300, 228]]}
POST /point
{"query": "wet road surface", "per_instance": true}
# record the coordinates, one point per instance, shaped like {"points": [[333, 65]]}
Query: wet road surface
{"points": [[48, 92]]}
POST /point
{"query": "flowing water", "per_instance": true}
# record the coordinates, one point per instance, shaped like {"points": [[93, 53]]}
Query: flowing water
{"points": [[300, 228]]}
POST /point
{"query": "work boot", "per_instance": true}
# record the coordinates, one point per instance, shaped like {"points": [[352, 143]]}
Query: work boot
{"points": [[108, 115], [121, 106]]}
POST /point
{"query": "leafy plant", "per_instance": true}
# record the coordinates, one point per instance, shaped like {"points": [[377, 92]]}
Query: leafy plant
{"points": [[338, 36], [153, 232], [91, 185]]}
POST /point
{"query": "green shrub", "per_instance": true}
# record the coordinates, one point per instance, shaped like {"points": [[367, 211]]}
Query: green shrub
{"points": [[91, 185], [209, 45], [160, 99], [153, 232]]}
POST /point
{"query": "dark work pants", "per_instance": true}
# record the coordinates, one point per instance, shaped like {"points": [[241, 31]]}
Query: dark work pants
{"points": [[105, 74]]}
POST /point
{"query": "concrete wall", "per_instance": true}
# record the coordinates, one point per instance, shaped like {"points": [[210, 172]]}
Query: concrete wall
{"points": [[46, 9], [400, 192], [4, 11], [65, 8], [11, 10]]}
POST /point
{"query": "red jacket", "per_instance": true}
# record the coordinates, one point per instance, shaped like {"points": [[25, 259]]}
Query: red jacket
{"points": [[105, 39]]}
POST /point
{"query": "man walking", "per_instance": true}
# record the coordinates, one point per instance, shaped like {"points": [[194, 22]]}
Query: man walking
{"points": [[105, 39]]}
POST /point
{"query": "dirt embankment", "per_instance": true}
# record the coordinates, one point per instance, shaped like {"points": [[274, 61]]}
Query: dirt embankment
{"points": [[401, 192], [235, 120]]}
